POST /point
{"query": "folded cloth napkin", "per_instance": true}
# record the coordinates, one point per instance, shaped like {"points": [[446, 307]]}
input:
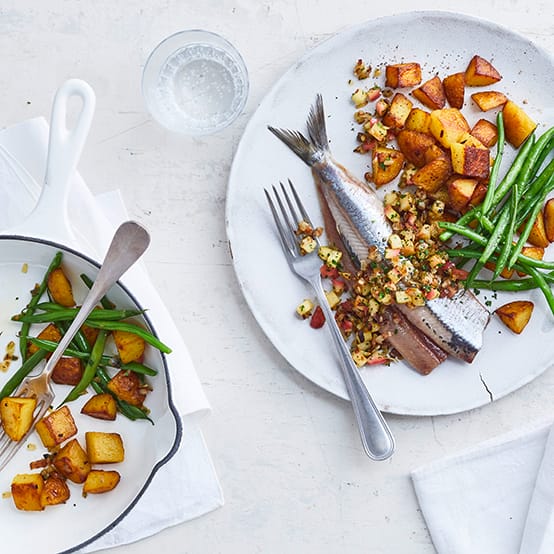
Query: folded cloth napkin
{"points": [[495, 498], [187, 486]]}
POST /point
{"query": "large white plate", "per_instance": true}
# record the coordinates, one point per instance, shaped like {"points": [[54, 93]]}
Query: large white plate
{"points": [[68, 527], [443, 43]]}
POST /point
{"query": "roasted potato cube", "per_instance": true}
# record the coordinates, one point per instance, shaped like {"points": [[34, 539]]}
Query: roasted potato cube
{"points": [[418, 120], [413, 145], [537, 236], [17, 415], [101, 406], [454, 89], [480, 72], [104, 448], [50, 332], [517, 124], [485, 132], [127, 386], [72, 462], [100, 480], [402, 75], [55, 491], [548, 218], [129, 346], [535, 252], [398, 112], [478, 194], [27, 491], [60, 288], [91, 334], [67, 371], [386, 164], [460, 191], [56, 427], [515, 315], [431, 94], [435, 152], [432, 175], [489, 99], [470, 161], [448, 126], [505, 273]]}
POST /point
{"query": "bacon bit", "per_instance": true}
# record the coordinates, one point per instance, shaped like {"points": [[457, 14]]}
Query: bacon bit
{"points": [[328, 272]]}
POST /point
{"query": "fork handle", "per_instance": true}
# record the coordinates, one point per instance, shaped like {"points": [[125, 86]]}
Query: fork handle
{"points": [[376, 436]]}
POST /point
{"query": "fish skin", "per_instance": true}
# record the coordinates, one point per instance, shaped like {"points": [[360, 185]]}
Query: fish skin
{"points": [[455, 324]]}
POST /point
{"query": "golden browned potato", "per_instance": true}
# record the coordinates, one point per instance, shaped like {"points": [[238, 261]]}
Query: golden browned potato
{"points": [[460, 191], [485, 132], [50, 332], [418, 120], [127, 386], [481, 72], [91, 334], [515, 315], [402, 75], [100, 480], [104, 448], [101, 406], [454, 89], [471, 161], [56, 427], [432, 175], [72, 462], [448, 126], [17, 415], [398, 112], [537, 236], [27, 491], [548, 218], [413, 145], [386, 164], [505, 273], [535, 252], [478, 194], [60, 288], [55, 491], [517, 124], [67, 371], [431, 94], [488, 100], [130, 347], [435, 152]]}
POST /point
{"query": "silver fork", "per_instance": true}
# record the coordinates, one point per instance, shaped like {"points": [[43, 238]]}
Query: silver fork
{"points": [[377, 439], [128, 244]]}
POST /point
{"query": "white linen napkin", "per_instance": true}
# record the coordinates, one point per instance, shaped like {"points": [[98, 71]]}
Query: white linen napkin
{"points": [[495, 498], [187, 486]]}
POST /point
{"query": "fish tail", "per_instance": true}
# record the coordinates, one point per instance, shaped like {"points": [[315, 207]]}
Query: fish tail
{"points": [[311, 149]]}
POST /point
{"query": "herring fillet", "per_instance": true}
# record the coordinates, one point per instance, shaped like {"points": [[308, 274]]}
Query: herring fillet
{"points": [[455, 324]]}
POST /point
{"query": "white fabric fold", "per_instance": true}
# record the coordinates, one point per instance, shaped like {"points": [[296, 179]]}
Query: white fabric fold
{"points": [[496, 497], [187, 486]]}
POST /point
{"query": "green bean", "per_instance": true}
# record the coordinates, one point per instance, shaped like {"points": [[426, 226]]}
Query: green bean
{"points": [[540, 184], [487, 202], [68, 314], [507, 246], [139, 368], [490, 248], [535, 155], [107, 304], [529, 225], [90, 368], [50, 346], [538, 277], [36, 296], [130, 328], [28, 365]]}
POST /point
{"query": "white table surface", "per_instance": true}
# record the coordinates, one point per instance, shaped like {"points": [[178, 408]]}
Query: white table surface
{"points": [[288, 454]]}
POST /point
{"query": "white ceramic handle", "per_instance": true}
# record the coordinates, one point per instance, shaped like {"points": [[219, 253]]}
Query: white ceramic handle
{"points": [[50, 219]]}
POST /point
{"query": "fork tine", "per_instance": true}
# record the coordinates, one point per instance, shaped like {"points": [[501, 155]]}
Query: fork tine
{"points": [[292, 225], [288, 245], [296, 218], [305, 215]]}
